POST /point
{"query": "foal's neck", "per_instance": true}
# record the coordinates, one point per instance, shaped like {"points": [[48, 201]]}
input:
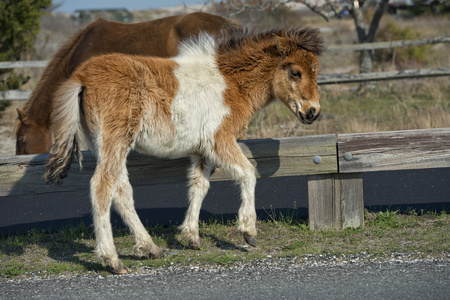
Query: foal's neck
{"points": [[250, 74]]}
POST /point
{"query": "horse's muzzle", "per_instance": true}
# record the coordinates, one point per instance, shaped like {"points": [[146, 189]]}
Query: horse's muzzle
{"points": [[310, 116]]}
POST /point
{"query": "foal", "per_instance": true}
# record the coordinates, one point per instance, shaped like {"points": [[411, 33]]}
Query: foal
{"points": [[193, 104]]}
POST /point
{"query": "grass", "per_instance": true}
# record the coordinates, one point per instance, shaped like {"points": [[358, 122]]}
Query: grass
{"points": [[70, 251]]}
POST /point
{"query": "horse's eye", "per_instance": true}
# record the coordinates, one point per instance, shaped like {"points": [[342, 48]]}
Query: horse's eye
{"points": [[296, 74], [20, 140]]}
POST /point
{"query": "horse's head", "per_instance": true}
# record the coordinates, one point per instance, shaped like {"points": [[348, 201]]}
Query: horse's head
{"points": [[31, 137], [295, 81]]}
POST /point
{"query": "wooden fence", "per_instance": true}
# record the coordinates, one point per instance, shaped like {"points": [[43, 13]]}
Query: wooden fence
{"points": [[322, 79], [333, 165]]}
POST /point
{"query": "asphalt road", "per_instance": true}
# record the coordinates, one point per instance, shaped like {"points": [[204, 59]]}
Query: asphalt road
{"points": [[267, 279]]}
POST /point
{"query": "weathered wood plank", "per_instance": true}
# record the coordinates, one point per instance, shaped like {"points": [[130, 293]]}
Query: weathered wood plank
{"points": [[395, 150], [321, 204], [335, 201], [348, 191], [20, 175], [322, 79]]}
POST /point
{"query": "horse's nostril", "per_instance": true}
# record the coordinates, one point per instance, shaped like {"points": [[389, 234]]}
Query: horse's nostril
{"points": [[310, 113]]}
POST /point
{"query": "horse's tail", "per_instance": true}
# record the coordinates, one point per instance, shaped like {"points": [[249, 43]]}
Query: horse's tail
{"points": [[65, 131]]}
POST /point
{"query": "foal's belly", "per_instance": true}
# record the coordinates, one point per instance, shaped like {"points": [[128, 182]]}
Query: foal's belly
{"points": [[160, 149], [185, 142]]}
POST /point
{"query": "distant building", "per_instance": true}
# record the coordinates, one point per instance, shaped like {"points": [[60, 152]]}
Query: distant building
{"points": [[85, 16]]}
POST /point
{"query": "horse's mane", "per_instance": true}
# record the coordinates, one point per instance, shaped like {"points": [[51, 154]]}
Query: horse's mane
{"points": [[234, 39], [54, 63], [306, 38]]}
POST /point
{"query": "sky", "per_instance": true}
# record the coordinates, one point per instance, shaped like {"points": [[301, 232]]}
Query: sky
{"points": [[69, 6]]}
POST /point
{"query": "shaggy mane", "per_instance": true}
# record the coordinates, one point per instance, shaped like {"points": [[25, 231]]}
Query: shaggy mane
{"points": [[306, 38]]}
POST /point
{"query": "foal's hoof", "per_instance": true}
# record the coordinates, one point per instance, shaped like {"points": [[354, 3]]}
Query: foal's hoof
{"points": [[195, 245], [120, 271], [250, 239], [157, 254], [148, 250]]}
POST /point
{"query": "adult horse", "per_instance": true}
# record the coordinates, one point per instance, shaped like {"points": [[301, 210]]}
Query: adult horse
{"points": [[154, 38], [194, 104]]}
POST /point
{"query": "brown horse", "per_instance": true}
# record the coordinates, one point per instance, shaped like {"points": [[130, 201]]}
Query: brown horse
{"points": [[154, 38], [193, 104]]}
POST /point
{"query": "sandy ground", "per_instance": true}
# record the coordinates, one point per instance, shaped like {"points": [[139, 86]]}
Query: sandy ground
{"points": [[7, 138]]}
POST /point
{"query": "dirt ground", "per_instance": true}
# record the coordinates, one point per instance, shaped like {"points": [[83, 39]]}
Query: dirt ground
{"points": [[7, 120]]}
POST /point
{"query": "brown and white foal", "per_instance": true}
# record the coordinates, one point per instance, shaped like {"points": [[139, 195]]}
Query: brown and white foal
{"points": [[194, 104]]}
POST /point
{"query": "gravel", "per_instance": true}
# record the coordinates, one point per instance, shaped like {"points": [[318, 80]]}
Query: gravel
{"points": [[399, 276]]}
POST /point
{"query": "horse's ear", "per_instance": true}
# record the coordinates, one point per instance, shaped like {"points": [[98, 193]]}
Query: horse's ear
{"points": [[282, 44], [315, 68], [22, 116]]}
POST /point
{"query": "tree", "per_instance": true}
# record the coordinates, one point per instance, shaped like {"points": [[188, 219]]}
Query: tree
{"points": [[19, 25], [355, 8], [327, 9]]}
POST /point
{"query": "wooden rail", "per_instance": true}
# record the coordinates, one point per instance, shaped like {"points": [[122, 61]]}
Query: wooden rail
{"points": [[338, 198], [379, 76], [322, 79], [15, 95], [333, 165], [387, 45], [272, 158], [23, 64]]}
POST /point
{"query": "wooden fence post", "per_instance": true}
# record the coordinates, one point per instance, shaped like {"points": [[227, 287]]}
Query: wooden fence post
{"points": [[348, 191], [335, 201]]}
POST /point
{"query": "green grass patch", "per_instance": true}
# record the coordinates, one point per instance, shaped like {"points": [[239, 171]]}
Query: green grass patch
{"points": [[70, 251]]}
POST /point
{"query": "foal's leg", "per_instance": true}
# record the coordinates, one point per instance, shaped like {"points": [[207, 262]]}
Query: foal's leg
{"points": [[231, 158], [198, 187], [103, 186], [124, 204]]}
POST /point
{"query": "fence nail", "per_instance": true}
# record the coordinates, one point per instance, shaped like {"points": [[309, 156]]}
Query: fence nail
{"points": [[317, 159], [348, 156]]}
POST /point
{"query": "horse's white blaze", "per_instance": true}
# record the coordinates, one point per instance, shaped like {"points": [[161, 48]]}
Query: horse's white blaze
{"points": [[315, 105], [309, 104], [299, 106], [198, 108]]}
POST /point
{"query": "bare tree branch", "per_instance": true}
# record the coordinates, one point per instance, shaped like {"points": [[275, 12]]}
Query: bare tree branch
{"points": [[237, 7], [382, 7], [328, 8]]}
